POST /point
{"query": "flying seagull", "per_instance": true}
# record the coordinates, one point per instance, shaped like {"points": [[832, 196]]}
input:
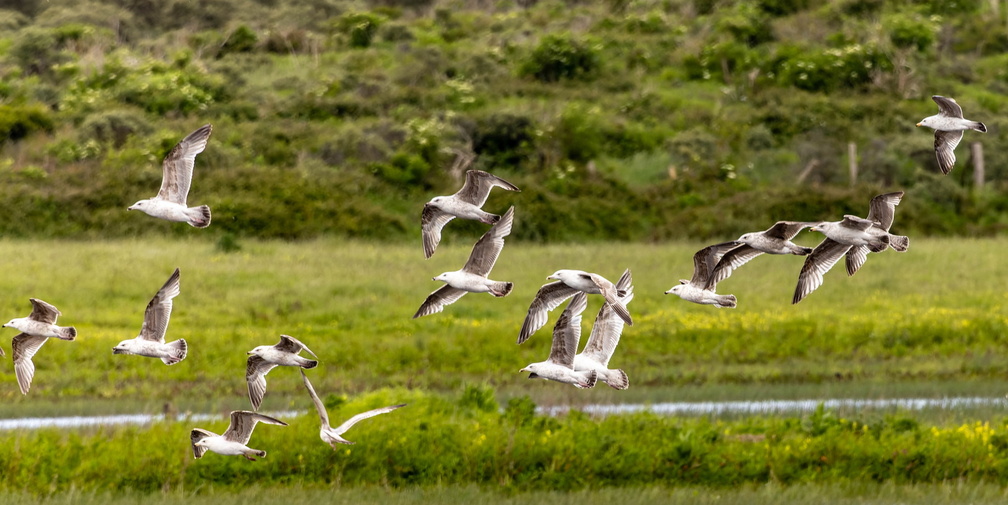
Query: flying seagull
{"points": [[35, 329], [473, 276], [264, 358], [568, 283], [464, 204], [854, 237], [774, 240], [560, 364], [949, 125], [170, 202], [330, 435], [233, 441], [605, 336], [700, 288], [151, 340]]}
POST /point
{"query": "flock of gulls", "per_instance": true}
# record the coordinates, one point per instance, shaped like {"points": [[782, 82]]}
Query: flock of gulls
{"points": [[852, 237]]}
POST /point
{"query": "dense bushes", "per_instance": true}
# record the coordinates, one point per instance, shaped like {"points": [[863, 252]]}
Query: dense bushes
{"points": [[435, 441]]}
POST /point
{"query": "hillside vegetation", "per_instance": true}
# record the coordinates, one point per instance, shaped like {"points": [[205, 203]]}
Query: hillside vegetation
{"points": [[627, 120]]}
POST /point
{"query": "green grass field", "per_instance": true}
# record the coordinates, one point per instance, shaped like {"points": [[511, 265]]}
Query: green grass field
{"points": [[905, 318], [921, 326]]}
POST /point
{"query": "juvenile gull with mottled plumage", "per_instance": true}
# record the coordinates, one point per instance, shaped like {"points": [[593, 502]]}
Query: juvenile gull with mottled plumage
{"points": [[568, 283], [700, 288], [854, 237], [559, 366], [605, 336], [472, 278], [774, 240], [949, 125], [464, 204], [151, 340], [35, 329], [264, 358], [234, 441], [176, 177]]}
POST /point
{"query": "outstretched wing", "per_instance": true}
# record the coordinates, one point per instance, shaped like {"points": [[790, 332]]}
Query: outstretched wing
{"points": [[177, 167], [478, 185], [431, 222], [436, 301], [945, 144], [731, 260], [488, 248], [23, 348], [341, 429], [606, 332], [319, 406], [159, 310], [948, 106], [882, 209], [255, 375], [786, 230], [242, 424], [292, 345], [43, 312], [822, 258], [567, 332], [549, 297], [706, 259]]}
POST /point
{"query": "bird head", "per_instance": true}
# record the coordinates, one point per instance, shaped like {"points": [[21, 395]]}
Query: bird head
{"points": [[675, 289], [122, 348], [142, 204], [258, 350]]}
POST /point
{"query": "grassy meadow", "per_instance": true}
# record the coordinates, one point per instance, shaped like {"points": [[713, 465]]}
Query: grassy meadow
{"points": [[908, 324]]}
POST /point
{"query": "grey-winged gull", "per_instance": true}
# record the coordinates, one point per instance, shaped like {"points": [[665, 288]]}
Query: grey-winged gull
{"points": [[151, 340], [177, 168], [696, 289], [331, 435], [773, 240], [605, 336], [233, 441], [464, 204], [568, 283], [264, 358], [559, 366], [949, 125], [39, 326], [472, 278], [854, 237]]}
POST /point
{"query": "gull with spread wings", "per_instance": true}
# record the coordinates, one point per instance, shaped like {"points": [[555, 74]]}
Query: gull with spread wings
{"points": [[464, 204], [35, 329], [568, 283], [949, 126], [177, 169], [333, 436], [700, 289], [559, 366], [151, 340], [264, 358], [234, 441]]}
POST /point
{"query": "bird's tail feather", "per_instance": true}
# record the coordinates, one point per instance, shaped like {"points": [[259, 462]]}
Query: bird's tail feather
{"points": [[617, 379], [899, 242], [178, 348], [978, 126], [726, 302], [499, 289], [68, 333], [199, 216]]}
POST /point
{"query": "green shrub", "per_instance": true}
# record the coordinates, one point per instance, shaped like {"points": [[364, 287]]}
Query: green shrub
{"points": [[558, 57], [36, 51], [241, 40], [19, 121], [114, 126], [359, 27], [504, 139], [907, 31], [826, 70]]}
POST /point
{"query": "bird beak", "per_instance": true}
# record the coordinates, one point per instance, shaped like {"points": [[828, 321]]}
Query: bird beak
{"points": [[250, 352], [918, 124], [433, 278], [115, 350]]}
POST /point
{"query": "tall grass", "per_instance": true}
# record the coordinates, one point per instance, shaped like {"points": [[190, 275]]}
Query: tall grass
{"points": [[904, 317]]}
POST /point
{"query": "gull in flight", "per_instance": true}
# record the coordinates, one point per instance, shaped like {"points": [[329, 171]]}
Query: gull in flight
{"points": [[151, 340], [700, 288], [233, 441], [949, 126], [605, 336], [473, 276], [264, 358], [568, 283], [330, 435], [465, 204], [560, 364], [854, 237], [774, 240], [35, 329], [177, 167]]}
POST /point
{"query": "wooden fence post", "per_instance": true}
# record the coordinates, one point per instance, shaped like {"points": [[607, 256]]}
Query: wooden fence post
{"points": [[976, 149], [852, 162]]}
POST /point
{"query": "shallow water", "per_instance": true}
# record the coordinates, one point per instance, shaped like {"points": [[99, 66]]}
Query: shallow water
{"points": [[784, 406], [756, 407]]}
